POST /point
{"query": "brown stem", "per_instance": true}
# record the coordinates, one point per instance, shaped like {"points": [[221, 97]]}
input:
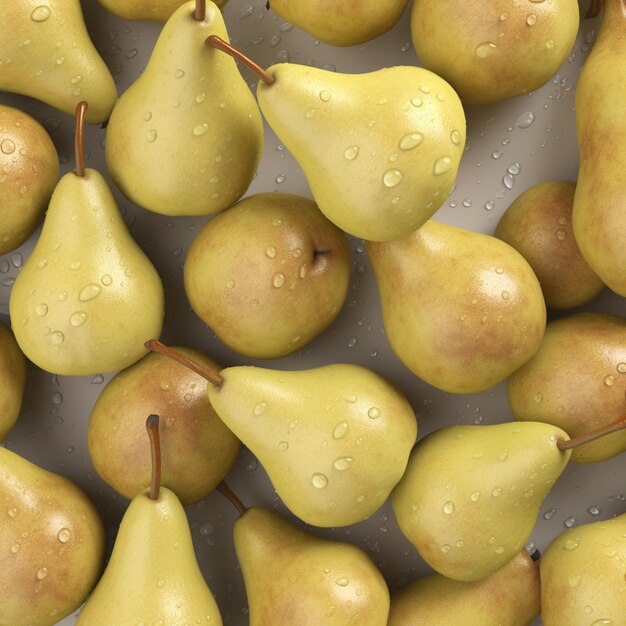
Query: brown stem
{"points": [[79, 141], [217, 42], [200, 13], [320, 252], [568, 444], [225, 490], [154, 345], [594, 9], [152, 426]]}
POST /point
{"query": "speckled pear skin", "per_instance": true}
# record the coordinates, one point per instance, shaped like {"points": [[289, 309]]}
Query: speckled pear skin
{"points": [[13, 375], [293, 577], [87, 298], [52, 543], [186, 137], [599, 215], [153, 574], [156, 10], [334, 440], [471, 494], [583, 575], [380, 151], [60, 65]]}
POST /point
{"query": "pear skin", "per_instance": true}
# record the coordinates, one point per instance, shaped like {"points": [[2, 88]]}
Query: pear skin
{"points": [[293, 577], [471, 494], [157, 10], [87, 298], [380, 151], [51, 544], [13, 377]]}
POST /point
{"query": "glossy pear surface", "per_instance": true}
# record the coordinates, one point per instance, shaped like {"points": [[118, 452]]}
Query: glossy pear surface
{"points": [[87, 298], [293, 577], [153, 574], [511, 596], [462, 310], [583, 575], [495, 50], [268, 275], [341, 22], [599, 218], [334, 440], [30, 171], [185, 138], [576, 381], [380, 151], [13, 377], [470, 495], [51, 544], [157, 10], [60, 65]]}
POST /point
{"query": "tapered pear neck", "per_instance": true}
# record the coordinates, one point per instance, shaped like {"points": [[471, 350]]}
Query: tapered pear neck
{"points": [[79, 141], [152, 426], [214, 41], [233, 498], [200, 12], [613, 427]]}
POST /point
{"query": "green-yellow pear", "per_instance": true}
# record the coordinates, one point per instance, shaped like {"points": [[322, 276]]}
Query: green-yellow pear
{"points": [[51, 544], [576, 381], [538, 224], [87, 298], [490, 51], [13, 377], [293, 577], [462, 310], [47, 54], [470, 495], [341, 22], [268, 275], [197, 449], [186, 137], [599, 217], [157, 10], [511, 596], [583, 576], [30, 169]]}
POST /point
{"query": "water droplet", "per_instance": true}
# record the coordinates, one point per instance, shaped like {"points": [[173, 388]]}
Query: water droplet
{"points": [[499, 550], [319, 481], [549, 44], [504, 17], [64, 535], [373, 413], [179, 73], [343, 463], [508, 181], [531, 20], [41, 309], [42, 573], [151, 135], [549, 514], [14, 548], [278, 280], [7, 146], [442, 165], [424, 88], [594, 510], [496, 492], [621, 368], [147, 116], [57, 337], [506, 295], [410, 141], [78, 318], [455, 137], [603, 622], [280, 179], [309, 114], [525, 120], [342, 582], [200, 129], [106, 280], [448, 508], [485, 49], [351, 153], [609, 380], [474, 497], [12, 512], [560, 234], [340, 430], [489, 205], [324, 95], [89, 292], [570, 522], [283, 445], [270, 252], [392, 177], [40, 14], [445, 548], [260, 408], [503, 456]]}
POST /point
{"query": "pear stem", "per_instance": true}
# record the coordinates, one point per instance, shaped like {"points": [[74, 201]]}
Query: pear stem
{"points": [[152, 426], [226, 491], [79, 141], [568, 444], [200, 13], [594, 9], [217, 42], [154, 345], [321, 252]]}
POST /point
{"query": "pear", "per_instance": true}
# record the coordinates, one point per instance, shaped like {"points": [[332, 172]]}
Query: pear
{"points": [[470, 495], [511, 596], [47, 54], [186, 137], [87, 298], [462, 310], [13, 376], [538, 224], [495, 50], [599, 215], [576, 381], [341, 22], [51, 544], [293, 577], [30, 170], [157, 10], [583, 575], [268, 275], [197, 449]]}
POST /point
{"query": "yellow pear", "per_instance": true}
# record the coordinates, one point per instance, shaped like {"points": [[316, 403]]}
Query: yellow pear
{"points": [[13, 376], [157, 10]]}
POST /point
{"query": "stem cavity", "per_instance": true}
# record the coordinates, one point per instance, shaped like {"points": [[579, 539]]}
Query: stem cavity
{"points": [[217, 42], [152, 426], [79, 141]]}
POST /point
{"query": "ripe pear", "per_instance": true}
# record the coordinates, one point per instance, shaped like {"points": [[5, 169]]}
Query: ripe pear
{"points": [[599, 217], [47, 54], [380, 150], [51, 544], [157, 10], [583, 575], [470, 495], [186, 137], [462, 310], [495, 50], [511, 596], [576, 381], [293, 577], [13, 376], [30, 169], [341, 22], [538, 224], [268, 275]]}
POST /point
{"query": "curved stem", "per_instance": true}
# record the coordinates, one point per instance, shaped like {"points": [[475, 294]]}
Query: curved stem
{"points": [[226, 491], [154, 345], [568, 444], [594, 9], [152, 426], [200, 13], [217, 42], [79, 141]]}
